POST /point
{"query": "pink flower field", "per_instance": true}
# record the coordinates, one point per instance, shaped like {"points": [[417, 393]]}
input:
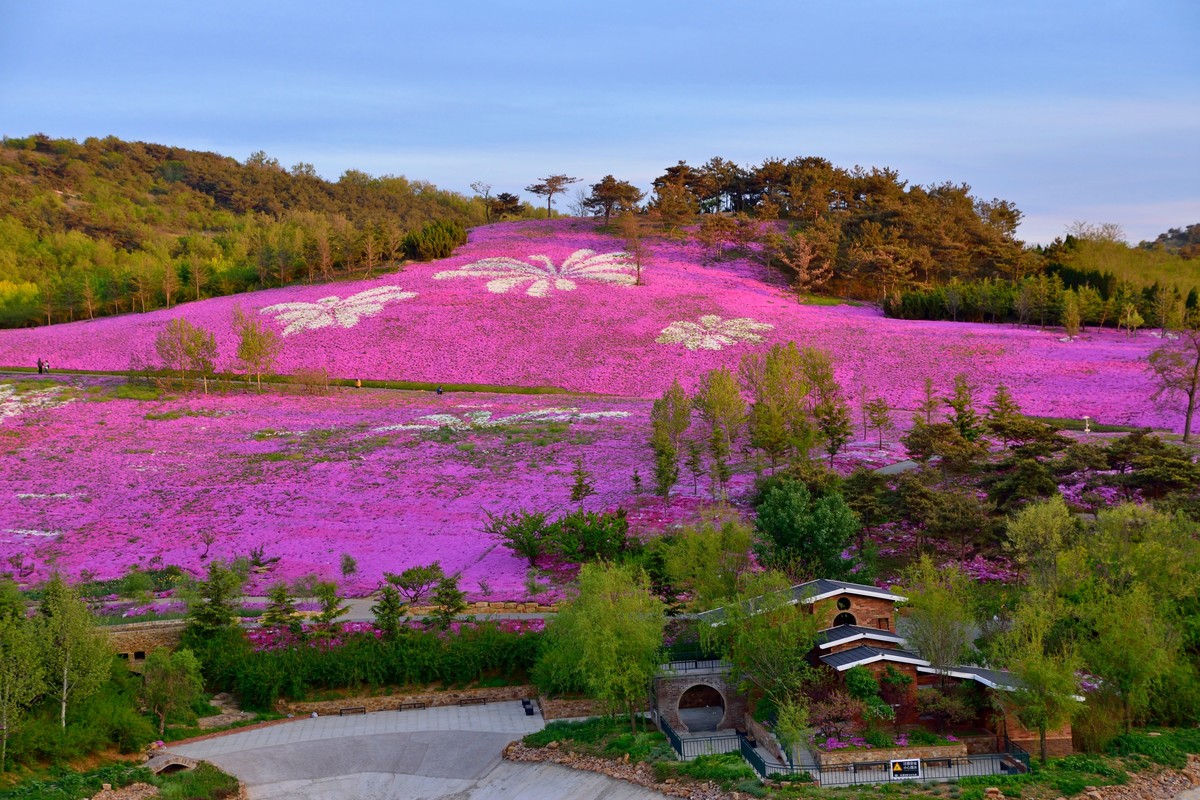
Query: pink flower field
{"points": [[395, 479], [89, 482], [520, 305]]}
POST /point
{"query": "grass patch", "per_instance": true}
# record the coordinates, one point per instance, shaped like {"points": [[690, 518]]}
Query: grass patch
{"points": [[725, 769], [137, 391], [1070, 424], [63, 783], [205, 782]]}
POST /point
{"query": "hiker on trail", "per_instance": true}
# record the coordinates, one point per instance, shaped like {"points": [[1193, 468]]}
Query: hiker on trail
{"points": [[358, 383], [439, 390], [41, 366]]}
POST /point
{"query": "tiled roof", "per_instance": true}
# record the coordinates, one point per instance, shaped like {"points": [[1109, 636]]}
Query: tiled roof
{"points": [[865, 654], [840, 634]]}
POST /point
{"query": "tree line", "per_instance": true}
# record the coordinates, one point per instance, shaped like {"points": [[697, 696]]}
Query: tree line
{"points": [[108, 227]]}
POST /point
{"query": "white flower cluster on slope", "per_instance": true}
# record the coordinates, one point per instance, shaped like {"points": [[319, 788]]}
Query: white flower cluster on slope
{"points": [[712, 332], [333, 310], [484, 419], [509, 273], [13, 402]]}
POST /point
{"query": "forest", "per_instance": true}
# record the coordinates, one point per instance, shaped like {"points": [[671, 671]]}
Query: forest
{"points": [[108, 227]]}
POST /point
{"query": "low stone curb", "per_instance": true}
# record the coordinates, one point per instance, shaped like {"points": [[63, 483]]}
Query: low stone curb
{"points": [[639, 773]]}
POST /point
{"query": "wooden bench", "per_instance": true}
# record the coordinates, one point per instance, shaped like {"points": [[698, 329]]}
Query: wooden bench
{"points": [[343, 712], [411, 706], [937, 762], [473, 701]]}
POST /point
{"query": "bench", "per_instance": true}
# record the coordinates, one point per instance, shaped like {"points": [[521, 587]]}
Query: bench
{"points": [[342, 712], [938, 762], [411, 706], [473, 701]]}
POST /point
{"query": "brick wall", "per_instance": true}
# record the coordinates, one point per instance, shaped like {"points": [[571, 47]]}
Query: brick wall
{"points": [[1058, 741], [392, 702], [888, 754], [668, 690], [867, 611], [137, 640]]}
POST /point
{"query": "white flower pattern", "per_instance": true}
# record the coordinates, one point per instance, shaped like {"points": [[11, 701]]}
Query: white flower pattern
{"points": [[484, 419], [509, 273], [335, 311], [712, 332]]}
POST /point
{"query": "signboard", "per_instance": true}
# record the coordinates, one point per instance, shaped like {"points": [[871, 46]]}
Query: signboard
{"points": [[906, 769]]}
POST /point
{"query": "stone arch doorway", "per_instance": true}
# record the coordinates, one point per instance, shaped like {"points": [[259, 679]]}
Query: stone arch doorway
{"points": [[845, 618], [701, 708]]}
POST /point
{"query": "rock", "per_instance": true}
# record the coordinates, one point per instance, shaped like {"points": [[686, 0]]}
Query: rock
{"points": [[106, 787]]}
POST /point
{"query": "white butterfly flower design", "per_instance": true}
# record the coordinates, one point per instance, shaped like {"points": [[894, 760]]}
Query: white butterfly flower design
{"points": [[712, 332], [484, 419], [333, 310], [509, 273]]}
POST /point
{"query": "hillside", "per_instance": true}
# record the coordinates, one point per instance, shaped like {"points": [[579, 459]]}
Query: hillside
{"points": [[107, 226], [470, 320]]}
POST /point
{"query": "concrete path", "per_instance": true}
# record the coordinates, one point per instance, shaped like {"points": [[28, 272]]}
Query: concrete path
{"points": [[449, 752]]}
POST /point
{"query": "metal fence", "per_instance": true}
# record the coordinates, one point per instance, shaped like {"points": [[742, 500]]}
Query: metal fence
{"points": [[688, 747], [932, 769], [767, 769]]}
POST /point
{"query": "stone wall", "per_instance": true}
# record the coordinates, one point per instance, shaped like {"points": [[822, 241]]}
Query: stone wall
{"points": [[668, 690], [137, 640], [1058, 741], [838, 757], [392, 702], [764, 738]]}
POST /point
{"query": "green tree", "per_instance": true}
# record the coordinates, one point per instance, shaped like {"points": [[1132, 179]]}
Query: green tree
{"points": [[719, 402], [608, 639], [1131, 647], [930, 403], [281, 608], [611, 195], [1047, 684], [523, 532], [22, 679], [75, 656], [550, 186], [767, 638], [833, 424], [1003, 414], [939, 613], [415, 583], [962, 403], [186, 349], [330, 601], [1070, 313], [258, 345], [707, 561], [214, 604], [803, 534], [583, 485], [448, 602], [389, 611], [1176, 370], [1037, 534], [670, 418], [172, 683], [880, 415]]}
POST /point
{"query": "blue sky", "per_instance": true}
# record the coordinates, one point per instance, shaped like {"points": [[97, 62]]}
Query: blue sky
{"points": [[1072, 110]]}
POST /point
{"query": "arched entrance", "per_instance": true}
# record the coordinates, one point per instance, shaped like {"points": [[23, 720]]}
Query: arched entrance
{"points": [[701, 708], [845, 618]]}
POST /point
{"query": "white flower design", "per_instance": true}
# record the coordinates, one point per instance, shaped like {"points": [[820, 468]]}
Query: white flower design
{"points": [[484, 419], [509, 273], [712, 332], [332, 310]]}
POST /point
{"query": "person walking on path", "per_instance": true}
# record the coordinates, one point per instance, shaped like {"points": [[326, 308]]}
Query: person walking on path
{"points": [[41, 366]]}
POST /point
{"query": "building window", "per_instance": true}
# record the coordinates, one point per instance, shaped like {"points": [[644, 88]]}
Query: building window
{"points": [[843, 603], [844, 618], [140, 655], [884, 624]]}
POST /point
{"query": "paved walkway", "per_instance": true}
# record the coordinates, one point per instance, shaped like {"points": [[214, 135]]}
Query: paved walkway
{"points": [[445, 752]]}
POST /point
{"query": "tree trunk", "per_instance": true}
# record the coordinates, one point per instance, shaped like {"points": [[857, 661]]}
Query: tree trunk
{"points": [[63, 709], [1042, 741]]}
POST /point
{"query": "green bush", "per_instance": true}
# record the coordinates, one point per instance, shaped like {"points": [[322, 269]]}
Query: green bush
{"points": [[436, 239], [725, 769], [205, 782], [1159, 749], [971, 794], [587, 731], [66, 784]]}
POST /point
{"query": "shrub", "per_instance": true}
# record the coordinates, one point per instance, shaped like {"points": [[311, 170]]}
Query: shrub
{"points": [[587, 731], [205, 782], [1159, 749]]}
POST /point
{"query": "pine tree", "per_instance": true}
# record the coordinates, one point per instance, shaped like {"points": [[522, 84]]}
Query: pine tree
{"points": [[964, 419]]}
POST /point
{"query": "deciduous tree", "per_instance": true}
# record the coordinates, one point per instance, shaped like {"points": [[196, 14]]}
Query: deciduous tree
{"points": [[75, 655], [550, 186], [1176, 370], [172, 683]]}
